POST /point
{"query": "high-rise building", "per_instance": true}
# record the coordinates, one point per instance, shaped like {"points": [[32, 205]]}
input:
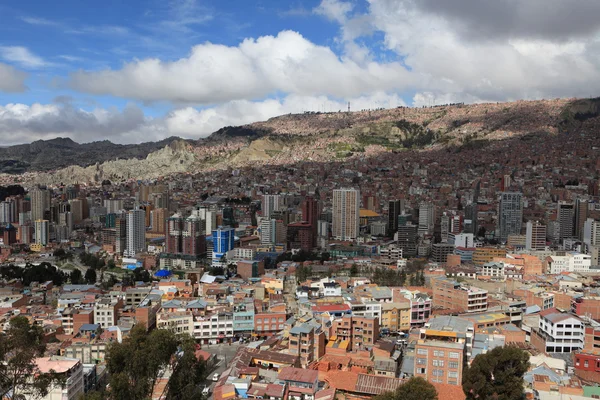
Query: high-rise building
{"points": [[581, 213], [120, 233], [426, 219], [228, 217], [407, 239], [510, 215], [310, 214], [8, 211], [136, 232], [444, 227], [77, 210], [566, 219], [223, 239], [470, 223], [395, 208], [10, 235], [272, 231], [174, 234], [193, 238], [346, 216], [113, 206], [535, 236], [209, 216], [370, 202], [158, 217], [591, 232], [41, 232], [40, 203], [270, 203]]}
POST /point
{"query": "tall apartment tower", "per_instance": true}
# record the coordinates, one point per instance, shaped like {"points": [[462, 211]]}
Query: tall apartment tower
{"points": [[174, 234], [535, 238], [41, 232], [193, 241], [510, 215], [209, 216], [310, 214], [426, 219], [395, 208], [272, 231], [40, 202], [136, 232], [120, 233], [270, 203], [566, 219], [346, 216], [581, 214]]}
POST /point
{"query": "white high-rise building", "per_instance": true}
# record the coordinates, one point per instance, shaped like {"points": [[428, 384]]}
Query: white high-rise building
{"points": [[272, 231], [41, 233], [426, 219], [346, 214], [535, 238], [40, 202], [8, 212], [591, 232], [209, 216], [136, 232], [113, 206], [270, 203]]}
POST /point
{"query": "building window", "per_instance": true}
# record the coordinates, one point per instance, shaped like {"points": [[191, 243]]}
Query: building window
{"points": [[453, 364], [438, 363], [422, 352], [454, 355], [452, 375], [438, 353], [421, 361]]}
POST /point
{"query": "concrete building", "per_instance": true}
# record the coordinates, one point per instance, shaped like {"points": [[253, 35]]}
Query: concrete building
{"points": [[223, 239], [449, 294], [358, 332], [566, 218], [558, 332], [41, 232], [426, 219], [271, 203], [569, 262], [510, 215], [439, 361], [535, 236], [40, 203], [136, 232], [346, 207], [396, 316], [395, 208], [69, 368], [272, 231]]}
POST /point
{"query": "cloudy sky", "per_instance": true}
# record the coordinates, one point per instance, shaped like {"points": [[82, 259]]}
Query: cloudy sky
{"points": [[147, 69]]}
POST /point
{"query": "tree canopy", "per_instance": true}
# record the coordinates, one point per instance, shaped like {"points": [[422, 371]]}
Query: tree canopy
{"points": [[497, 374], [20, 345], [136, 364], [413, 389]]}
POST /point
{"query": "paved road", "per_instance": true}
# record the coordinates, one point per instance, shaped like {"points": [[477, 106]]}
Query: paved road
{"points": [[224, 353]]}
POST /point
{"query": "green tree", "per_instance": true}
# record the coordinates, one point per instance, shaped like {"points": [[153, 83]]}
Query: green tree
{"points": [[111, 264], [21, 344], [188, 371], [413, 389], [354, 270], [497, 374], [76, 277], [90, 276], [135, 364]]}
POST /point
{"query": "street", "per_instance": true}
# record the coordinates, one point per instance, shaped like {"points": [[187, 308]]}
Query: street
{"points": [[224, 353]]}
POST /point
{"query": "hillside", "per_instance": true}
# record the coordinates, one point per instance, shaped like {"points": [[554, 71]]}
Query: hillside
{"points": [[44, 155], [317, 137]]}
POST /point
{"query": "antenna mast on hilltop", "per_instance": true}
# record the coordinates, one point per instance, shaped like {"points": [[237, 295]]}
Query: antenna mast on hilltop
{"points": [[348, 106]]}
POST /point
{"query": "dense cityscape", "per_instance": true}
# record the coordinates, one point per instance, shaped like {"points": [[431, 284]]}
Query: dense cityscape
{"points": [[300, 200], [320, 280]]}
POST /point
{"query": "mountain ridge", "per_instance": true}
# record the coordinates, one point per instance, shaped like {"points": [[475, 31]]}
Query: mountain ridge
{"points": [[323, 137]]}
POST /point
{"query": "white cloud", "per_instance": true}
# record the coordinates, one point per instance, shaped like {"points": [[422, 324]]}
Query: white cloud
{"points": [[11, 79], [286, 63], [516, 61], [22, 56], [335, 10], [23, 123]]}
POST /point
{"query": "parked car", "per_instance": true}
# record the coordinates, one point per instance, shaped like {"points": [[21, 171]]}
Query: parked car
{"points": [[206, 391], [216, 377]]}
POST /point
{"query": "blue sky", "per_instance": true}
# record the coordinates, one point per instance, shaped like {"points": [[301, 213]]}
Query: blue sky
{"points": [[135, 70]]}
